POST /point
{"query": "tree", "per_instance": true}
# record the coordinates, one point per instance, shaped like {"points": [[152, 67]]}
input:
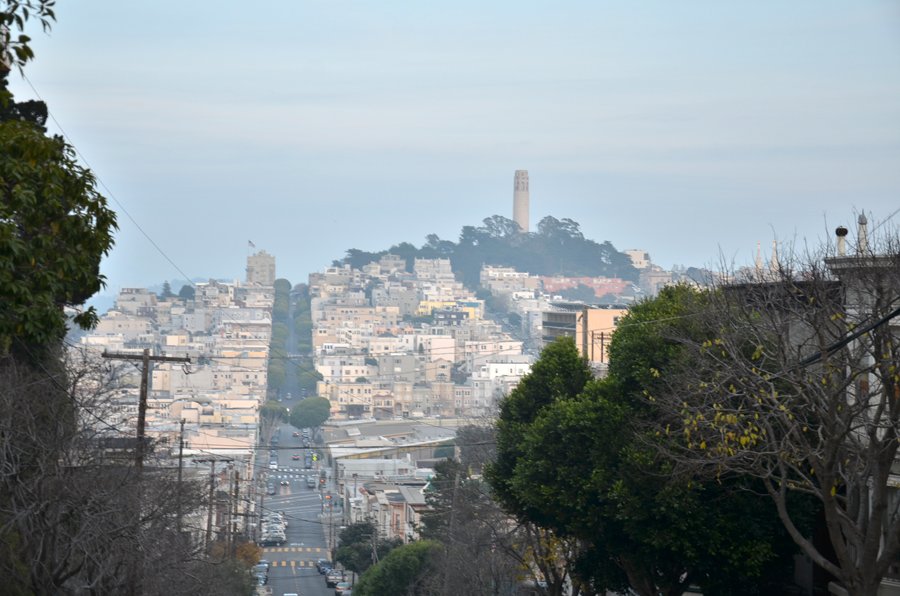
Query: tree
{"points": [[405, 572], [15, 15], [310, 412], [187, 292], [73, 517], [583, 466], [282, 286], [559, 373], [166, 290], [580, 293], [797, 386], [360, 546], [476, 536], [54, 229], [444, 452], [272, 412]]}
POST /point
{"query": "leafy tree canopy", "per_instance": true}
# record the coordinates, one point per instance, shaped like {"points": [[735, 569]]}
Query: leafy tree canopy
{"points": [[54, 229], [310, 412], [360, 546], [273, 411], [403, 571], [574, 456], [558, 247]]}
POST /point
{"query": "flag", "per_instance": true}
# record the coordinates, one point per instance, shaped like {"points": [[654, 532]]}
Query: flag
{"points": [[250, 244]]}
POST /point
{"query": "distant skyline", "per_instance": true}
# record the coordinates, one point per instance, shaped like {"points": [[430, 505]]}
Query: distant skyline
{"points": [[689, 130]]}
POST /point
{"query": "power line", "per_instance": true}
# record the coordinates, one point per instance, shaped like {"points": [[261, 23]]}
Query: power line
{"points": [[108, 191]]}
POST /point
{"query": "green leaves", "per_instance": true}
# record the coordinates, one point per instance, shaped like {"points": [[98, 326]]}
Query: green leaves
{"points": [[310, 412], [54, 230], [15, 15]]}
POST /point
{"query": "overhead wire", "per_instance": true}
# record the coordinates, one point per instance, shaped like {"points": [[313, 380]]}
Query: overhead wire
{"points": [[100, 181]]}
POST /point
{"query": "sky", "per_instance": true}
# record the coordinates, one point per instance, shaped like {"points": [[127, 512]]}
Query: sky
{"points": [[693, 130]]}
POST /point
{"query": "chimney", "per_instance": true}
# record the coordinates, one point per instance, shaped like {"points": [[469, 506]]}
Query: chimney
{"points": [[841, 233]]}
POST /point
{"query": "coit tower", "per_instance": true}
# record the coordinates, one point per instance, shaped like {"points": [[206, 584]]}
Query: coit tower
{"points": [[520, 200]]}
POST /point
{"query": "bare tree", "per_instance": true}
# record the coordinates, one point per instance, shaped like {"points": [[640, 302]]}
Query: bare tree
{"points": [[798, 386], [75, 516]]}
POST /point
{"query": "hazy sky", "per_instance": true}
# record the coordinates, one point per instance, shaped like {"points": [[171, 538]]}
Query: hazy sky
{"points": [[687, 129]]}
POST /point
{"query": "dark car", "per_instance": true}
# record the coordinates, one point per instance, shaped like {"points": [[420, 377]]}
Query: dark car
{"points": [[324, 566]]}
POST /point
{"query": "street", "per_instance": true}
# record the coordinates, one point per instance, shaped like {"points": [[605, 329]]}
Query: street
{"points": [[292, 566]]}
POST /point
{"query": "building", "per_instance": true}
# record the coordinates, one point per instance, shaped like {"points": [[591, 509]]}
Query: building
{"points": [[261, 269], [590, 326]]}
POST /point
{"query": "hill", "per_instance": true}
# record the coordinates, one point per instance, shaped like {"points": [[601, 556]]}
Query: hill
{"points": [[558, 247]]}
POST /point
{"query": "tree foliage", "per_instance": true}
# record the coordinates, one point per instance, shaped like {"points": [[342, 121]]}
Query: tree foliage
{"points": [[797, 386], [575, 456], [54, 229], [187, 292], [360, 546], [476, 535], [558, 247], [559, 373], [406, 571], [14, 15], [74, 516], [310, 412]]}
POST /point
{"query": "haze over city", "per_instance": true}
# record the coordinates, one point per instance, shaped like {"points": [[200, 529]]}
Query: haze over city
{"points": [[312, 127]]}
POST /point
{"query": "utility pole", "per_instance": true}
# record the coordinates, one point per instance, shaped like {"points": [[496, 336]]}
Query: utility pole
{"points": [[212, 494], [145, 359], [180, 466], [212, 502], [234, 512]]}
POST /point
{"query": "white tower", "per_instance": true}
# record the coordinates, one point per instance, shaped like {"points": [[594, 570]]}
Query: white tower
{"points": [[520, 200]]}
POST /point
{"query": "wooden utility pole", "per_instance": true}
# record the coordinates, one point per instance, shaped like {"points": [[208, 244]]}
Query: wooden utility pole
{"points": [[145, 359], [234, 512], [180, 466], [212, 494]]}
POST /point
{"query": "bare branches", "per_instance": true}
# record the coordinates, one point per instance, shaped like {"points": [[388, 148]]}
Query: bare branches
{"points": [[797, 384]]}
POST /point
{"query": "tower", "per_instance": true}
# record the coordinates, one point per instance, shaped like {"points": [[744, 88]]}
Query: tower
{"points": [[520, 200]]}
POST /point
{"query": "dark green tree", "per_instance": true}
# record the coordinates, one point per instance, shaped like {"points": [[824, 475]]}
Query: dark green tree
{"points": [[560, 373], [585, 467], [273, 411], [360, 546], [310, 412], [444, 452], [54, 229], [408, 570], [14, 15], [187, 292], [166, 290]]}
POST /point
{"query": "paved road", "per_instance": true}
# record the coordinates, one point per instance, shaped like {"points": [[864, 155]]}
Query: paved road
{"points": [[293, 565]]}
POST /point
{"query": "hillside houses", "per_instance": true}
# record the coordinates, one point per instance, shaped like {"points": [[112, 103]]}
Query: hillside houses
{"points": [[393, 343]]}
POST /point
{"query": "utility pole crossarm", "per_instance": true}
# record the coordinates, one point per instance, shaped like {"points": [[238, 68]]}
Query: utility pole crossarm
{"points": [[145, 359]]}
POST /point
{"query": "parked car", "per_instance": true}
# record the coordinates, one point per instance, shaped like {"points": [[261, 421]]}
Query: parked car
{"points": [[333, 577], [342, 588], [324, 566]]}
